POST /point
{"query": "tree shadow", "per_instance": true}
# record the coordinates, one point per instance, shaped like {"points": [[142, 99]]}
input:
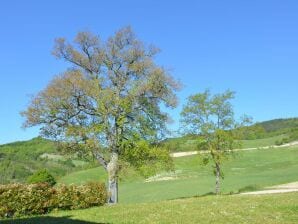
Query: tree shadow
{"points": [[47, 220], [195, 196]]}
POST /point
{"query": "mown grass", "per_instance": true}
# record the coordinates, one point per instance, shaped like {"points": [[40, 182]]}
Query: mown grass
{"points": [[262, 142], [236, 209], [180, 200], [247, 169], [84, 176], [190, 143]]}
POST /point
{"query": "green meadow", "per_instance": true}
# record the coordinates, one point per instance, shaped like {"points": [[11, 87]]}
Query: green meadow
{"points": [[253, 169], [185, 194], [232, 209]]}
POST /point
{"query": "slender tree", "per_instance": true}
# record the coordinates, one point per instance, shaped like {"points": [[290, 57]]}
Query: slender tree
{"points": [[211, 118], [107, 102]]}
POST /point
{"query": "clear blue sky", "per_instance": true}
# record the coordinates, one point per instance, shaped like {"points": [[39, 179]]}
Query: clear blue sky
{"points": [[248, 46]]}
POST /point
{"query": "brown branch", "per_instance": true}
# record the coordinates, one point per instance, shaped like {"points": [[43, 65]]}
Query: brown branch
{"points": [[100, 158]]}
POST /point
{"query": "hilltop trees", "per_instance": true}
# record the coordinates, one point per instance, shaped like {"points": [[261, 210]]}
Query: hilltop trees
{"points": [[107, 102], [211, 117]]}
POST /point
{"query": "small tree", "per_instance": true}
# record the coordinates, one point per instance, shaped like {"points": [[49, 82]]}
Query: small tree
{"points": [[212, 119], [107, 102], [41, 176]]}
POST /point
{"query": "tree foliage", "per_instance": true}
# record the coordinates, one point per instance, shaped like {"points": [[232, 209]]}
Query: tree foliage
{"points": [[42, 176], [108, 99], [211, 117]]}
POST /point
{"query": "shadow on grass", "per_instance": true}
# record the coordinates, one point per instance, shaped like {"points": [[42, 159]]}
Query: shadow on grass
{"points": [[249, 188], [46, 220], [195, 196]]}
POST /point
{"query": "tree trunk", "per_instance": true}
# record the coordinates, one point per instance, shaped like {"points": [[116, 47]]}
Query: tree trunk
{"points": [[112, 169], [217, 183]]}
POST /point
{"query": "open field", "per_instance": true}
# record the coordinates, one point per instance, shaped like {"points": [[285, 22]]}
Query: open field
{"points": [[182, 196], [247, 170], [236, 209], [262, 142], [83, 176], [186, 144]]}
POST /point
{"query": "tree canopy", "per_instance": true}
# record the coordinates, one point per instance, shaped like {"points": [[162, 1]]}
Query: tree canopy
{"points": [[108, 100], [211, 118]]}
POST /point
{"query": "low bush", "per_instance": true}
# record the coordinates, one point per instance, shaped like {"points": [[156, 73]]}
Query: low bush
{"points": [[36, 199], [41, 176], [282, 141]]}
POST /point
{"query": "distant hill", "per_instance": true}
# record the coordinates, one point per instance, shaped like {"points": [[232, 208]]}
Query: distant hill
{"points": [[18, 160], [280, 125], [277, 131]]}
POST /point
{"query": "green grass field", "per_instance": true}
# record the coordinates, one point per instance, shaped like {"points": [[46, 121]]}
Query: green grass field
{"points": [[236, 209], [190, 143], [186, 198], [262, 142], [247, 169], [83, 176]]}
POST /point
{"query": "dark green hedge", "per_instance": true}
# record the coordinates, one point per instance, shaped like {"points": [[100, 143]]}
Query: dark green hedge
{"points": [[35, 199]]}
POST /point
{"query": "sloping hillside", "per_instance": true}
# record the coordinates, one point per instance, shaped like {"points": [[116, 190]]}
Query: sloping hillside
{"points": [[21, 159], [272, 132], [246, 171], [280, 125]]}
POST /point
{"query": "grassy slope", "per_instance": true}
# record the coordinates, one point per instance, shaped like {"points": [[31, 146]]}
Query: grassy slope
{"points": [[190, 143], [83, 176], [279, 125], [262, 142], [265, 209], [18, 160], [257, 167], [275, 130]]}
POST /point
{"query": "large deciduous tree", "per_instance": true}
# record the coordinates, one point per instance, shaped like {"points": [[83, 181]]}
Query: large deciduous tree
{"points": [[211, 118], [107, 102]]}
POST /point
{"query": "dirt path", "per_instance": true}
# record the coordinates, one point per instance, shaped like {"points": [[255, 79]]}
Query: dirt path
{"points": [[284, 188], [181, 154]]}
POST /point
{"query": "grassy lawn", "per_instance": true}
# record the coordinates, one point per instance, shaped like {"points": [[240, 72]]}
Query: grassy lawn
{"points": [[191, 143], [265, 209], [247, 169], [83, 176], [174, 201], [262, 142]]}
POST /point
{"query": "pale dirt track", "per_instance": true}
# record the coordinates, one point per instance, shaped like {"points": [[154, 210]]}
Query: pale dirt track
{"points": [[181, 154], [284, 188]]}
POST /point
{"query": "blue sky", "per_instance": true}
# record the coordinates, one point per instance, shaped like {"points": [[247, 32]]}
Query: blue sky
{"points": [[250, 47]]}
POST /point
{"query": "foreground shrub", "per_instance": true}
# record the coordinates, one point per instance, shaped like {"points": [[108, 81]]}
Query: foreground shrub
{"points": [[35, 199], [41, 176], [76, 197]]}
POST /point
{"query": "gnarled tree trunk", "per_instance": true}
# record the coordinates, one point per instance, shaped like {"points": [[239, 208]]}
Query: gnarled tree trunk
{"points": [[112, 169]]}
